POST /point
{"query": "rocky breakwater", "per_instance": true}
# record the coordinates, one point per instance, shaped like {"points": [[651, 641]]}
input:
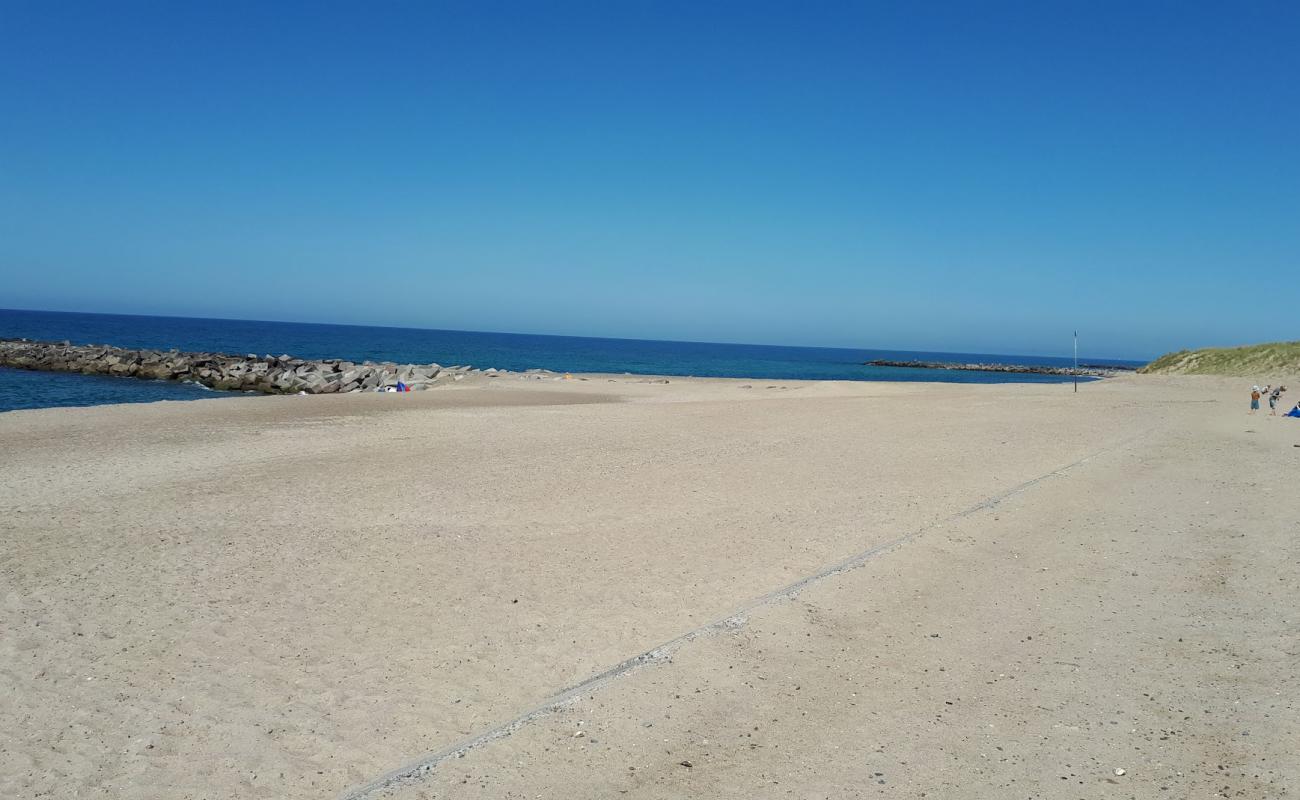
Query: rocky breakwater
{"points": [[251, 373], [1088, 370]]}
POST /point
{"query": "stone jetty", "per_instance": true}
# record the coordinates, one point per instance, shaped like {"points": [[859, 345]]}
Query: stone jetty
{"points": [[1088, 370], [249, 373]]}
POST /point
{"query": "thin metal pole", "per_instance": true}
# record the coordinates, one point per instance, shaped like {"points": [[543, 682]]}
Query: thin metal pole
{"points": [[1076, 361]]}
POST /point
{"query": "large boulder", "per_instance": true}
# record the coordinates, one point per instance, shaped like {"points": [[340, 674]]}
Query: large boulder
{"points": [[285, 381]]}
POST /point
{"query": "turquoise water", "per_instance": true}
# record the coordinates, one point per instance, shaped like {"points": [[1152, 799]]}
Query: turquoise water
{"points": [[502, 350]]}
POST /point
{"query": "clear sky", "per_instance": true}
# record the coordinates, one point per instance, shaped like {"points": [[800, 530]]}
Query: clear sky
{"points": [[980, 176]]}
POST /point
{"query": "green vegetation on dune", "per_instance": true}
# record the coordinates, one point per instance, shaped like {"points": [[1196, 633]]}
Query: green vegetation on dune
{"points": [[1255, 359]]}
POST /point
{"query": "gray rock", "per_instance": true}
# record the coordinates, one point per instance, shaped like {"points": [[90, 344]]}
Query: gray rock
{"points": [[269, 374]]}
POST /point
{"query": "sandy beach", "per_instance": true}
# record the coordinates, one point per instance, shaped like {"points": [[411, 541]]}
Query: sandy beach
{"points": [[615, 587]]}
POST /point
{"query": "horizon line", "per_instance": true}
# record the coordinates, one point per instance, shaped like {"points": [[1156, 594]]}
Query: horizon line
{"points": [[564, 335]]}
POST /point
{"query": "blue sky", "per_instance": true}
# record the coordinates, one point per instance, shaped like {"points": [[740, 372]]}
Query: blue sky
{"points": [[977, 177]]}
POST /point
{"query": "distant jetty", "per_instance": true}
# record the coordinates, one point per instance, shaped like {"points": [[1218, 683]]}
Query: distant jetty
{"points": [[1088, 370], [267, 374]]}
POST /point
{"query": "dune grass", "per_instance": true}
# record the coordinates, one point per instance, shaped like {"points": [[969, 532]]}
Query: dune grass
{"points": [[1256, 359]]}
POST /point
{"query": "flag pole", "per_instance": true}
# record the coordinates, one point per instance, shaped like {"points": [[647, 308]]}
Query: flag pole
{"points": [[1076, 361]]}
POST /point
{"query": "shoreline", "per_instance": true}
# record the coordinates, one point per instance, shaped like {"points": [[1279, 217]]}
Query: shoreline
{"points": [[286, 374]]}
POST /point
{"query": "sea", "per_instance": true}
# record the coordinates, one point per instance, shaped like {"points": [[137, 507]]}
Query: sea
{"points": [[21, 389]]}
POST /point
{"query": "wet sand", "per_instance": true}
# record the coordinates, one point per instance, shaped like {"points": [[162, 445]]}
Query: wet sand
{"points": [[1011, 590]]}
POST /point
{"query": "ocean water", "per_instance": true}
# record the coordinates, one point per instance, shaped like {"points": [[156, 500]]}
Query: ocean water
{"points": [[512, 351], [23, 389]]}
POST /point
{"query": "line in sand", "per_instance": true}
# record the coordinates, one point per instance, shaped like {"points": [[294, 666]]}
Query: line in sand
{"points": [[421, 767]]}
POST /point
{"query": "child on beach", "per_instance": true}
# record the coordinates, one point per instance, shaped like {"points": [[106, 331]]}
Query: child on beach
{"points": [[1273, 398], [1254, 399]]}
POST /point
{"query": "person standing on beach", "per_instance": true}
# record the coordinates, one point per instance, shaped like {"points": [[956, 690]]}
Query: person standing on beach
{"points": [[1254, 399], [1272, 400]]}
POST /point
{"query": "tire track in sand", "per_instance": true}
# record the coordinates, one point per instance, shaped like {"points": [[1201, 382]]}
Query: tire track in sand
{"points": [[416, 770]]}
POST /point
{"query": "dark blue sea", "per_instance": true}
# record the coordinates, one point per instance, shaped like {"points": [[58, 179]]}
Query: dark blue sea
{"points": [[512, 351]]}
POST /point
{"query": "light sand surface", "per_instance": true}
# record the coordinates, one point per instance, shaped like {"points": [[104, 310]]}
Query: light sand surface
{"points": [[293, 597]]}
